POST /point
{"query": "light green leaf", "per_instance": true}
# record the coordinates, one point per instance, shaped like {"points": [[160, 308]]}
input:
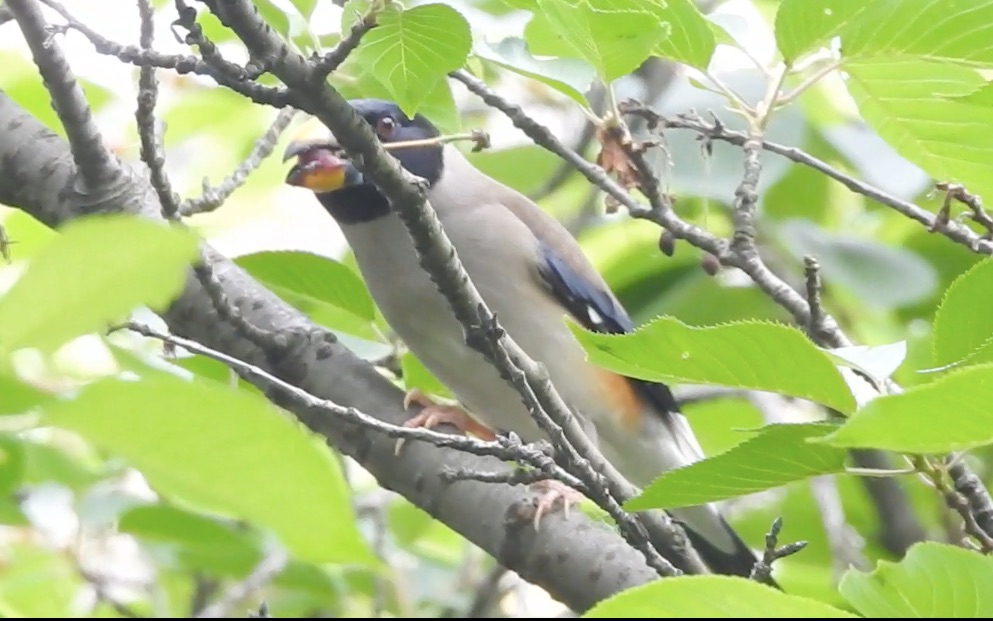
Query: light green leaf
{"points": [[411, 50], [963, 325], [949, 414], [569, 76], [16, 397], [778, 455], [11, 464], [319, 278], [437, 105], [94, 273], [614, 36], [691, 37], [933, 581], [960, 31], [416, 375], [199, 541], [688, 597], [911, 104], [803, 25], [305, 7], [753, 355], [226, 450]]}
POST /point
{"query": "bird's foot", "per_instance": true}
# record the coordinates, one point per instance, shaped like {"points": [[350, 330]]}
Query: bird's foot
{"points": [[434, 414], [552, 494]]}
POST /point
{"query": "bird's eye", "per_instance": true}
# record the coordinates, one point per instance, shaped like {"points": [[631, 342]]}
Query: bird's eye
{"points": [[384, 127]]}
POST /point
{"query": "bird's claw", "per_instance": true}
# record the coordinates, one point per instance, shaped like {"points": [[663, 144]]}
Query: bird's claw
{"points": [[551, 494], [434, 414]]}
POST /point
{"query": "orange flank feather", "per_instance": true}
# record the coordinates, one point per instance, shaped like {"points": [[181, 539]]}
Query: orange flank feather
{"points": [[618, 391]]}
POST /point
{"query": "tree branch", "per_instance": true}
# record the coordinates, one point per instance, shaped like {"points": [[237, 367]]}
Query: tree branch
{"points": [[439, 259], [578, 561]]}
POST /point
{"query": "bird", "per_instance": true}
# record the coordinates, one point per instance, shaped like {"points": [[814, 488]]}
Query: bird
{"points": [[532, 274]]}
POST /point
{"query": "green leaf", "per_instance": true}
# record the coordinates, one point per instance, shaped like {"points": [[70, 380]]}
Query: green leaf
{"points": [[803, 25], [691, 38], [226, 450], [437, 105], [569, 76], [615, 36], [956, 32], [933, 581], [687, 597], [778, 455], [16, 397], [79, 283], [911, 104], [11, 464], [416, 375], [949, 414], [312, 276], [199, 541], [753, 355], [411, 50], [306, 7], [963, 326]]}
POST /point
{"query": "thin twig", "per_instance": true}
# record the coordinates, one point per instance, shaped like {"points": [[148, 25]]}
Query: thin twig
{"points": [[151, 146], [762, 570], [96, 164], [956, 501], [267, 569], [504, 448], [214, 197]]}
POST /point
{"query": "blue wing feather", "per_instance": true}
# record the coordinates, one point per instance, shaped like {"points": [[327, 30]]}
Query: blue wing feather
{"points": [[596, 309]]}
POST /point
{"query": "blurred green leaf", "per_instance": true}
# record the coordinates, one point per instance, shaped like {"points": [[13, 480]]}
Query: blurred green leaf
{"points": [[322, 279], [614, 36], [306, 7], [28, 235], [778, 455], [79, 283], [44, 463], [274, 16], [880, 276], [205, 367], [949, 414], [37, 582], [16, 397], [524, 168], [963, 325], [569, 76], [933, 581], [11, 464], [200, 542], [411, 50], [416, 375], [226, 450], [687, 597], [691, 37], [803, 25], [754, 355]]}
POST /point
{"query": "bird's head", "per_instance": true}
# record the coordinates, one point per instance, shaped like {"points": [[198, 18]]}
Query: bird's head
{"points": [[323, 167]]}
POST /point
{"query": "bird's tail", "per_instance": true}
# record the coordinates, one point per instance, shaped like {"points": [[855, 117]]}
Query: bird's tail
{"points": [[716, 542]]}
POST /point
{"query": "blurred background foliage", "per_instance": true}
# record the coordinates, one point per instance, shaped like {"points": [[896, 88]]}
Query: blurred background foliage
{"points": [[84, 534]]}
